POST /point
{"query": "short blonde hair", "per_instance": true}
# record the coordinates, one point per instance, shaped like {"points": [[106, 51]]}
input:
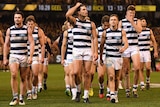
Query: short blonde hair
{"points": [[131, 7], [63, 28]]}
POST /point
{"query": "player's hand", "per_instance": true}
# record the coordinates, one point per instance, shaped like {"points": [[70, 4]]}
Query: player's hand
{"points": [[29, 61], [42, 60], [155, 54], [94, 62], [130, 19], [5, 62], [78, 4], [30, 30], [121, 50], [101, 62], [62, 62], [95, 57]]}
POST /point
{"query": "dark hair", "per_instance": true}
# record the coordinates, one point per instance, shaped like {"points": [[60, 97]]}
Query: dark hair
{"points": [[142, 18], [79, 8], [114, 15], [30, 18], [19, 12], [131, 7], [105, 18]]}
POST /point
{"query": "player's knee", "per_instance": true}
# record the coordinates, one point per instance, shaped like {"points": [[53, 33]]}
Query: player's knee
{"points": [[148, 68], [14, 75], [136, 69], [23, 79], [125, 69], [127, 74], [101, 78], [111, 78], [87, 74]]}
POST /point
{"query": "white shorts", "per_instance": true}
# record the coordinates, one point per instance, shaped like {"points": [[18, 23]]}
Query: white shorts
{"points": [[45, 61], [35, 60], [68, 60], [130, 51], [82, 54], [19, 59], [116, 63], [103, 58], [145, 56]]}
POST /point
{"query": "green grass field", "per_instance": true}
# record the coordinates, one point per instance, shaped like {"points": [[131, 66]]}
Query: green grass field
{"points": [[55, 96]]}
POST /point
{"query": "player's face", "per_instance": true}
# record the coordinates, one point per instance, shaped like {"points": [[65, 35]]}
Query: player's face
{"points": [[18, 19], [143, 22], [131, 13], [105, 25], [113, 21], [30, 24], [83, 11]]}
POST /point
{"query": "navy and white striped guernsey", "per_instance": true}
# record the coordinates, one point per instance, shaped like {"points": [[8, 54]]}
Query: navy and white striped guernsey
{"points": [[100, 31], [131, 33], [36, 43], [113, 43], [144, 40], [69, 42], [18, 40], [82, 34]]}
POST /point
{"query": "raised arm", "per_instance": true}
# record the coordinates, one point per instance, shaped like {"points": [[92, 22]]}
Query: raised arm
{"points": [[137, 26], [71, 11]]}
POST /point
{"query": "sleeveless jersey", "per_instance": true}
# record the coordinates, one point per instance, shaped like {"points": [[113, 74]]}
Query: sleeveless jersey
{"points": [[113, 43], [36, 43], [131, 33], [69, 43], [144, 40], [82, 34], [100, 31], [18, 40]]}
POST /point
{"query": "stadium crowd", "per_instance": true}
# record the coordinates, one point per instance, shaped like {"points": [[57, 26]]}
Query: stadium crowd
{"points": [[90, 2]]}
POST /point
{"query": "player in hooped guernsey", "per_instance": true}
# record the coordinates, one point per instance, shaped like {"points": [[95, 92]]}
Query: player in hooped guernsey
{"points": [[82, 52], [38, 40], [113, 38], [16, 44], [132, 27], [101, 70], [144, 39]]}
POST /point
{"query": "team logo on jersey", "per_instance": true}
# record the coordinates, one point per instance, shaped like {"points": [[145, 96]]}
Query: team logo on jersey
{"points": [[22, 35], [118, 38], [13, 35]]}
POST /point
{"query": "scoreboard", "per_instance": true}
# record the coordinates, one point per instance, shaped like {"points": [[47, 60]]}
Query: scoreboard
{"points": [[63, 8]]}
